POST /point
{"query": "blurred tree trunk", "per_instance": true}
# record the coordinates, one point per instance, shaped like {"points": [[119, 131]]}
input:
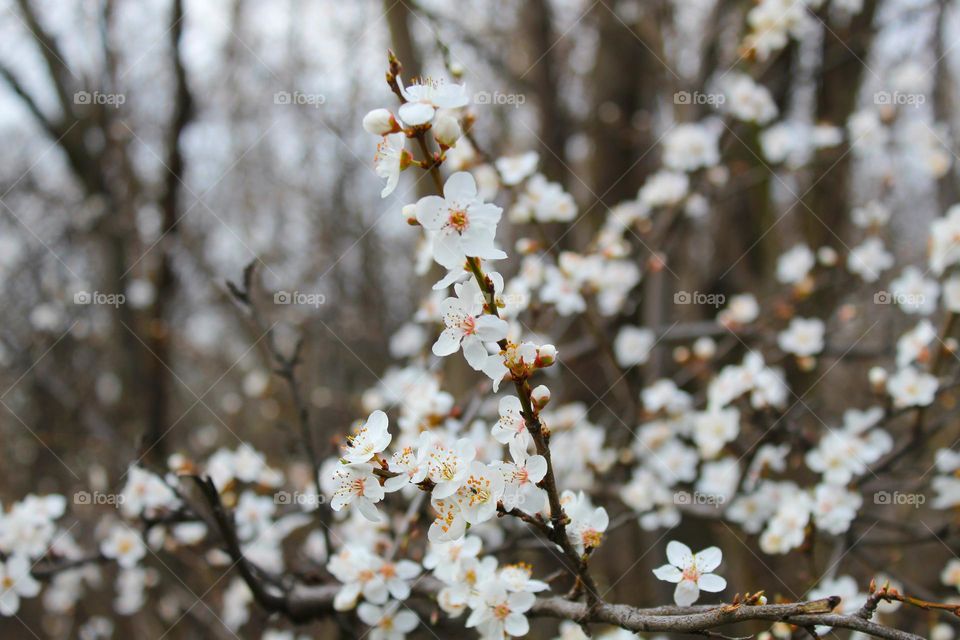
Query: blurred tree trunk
{"points": [[537, 20], [626, 80], [843, 62], [159, 322], [944, 94]]}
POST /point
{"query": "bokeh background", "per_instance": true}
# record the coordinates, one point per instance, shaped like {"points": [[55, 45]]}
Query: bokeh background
{"points": [[157, 148]]}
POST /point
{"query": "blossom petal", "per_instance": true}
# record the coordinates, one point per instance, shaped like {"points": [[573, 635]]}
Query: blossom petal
{"points": [[536, 468], [712, 583], [686, 593], [491, 328], [405, 621], [431, 212], [679, 554], [447, 342], [669, 573], [367, 509], [447, 250], [461, 187], [414, 113], [708, 559], [516, 624], [474, 351]]}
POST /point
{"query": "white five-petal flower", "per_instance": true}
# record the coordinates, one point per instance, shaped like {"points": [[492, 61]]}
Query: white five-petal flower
{"points": [[691, 572], [370, 439], [424, 98], [467, 326], [356, 484], [461, 223], [16, 582]]}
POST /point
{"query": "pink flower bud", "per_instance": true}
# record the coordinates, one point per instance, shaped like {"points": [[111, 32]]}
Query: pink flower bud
{"points": [[546, 355], [540, 396]]}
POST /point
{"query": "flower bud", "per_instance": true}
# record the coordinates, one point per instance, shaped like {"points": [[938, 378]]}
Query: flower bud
{"points": [[878, 376], [526, 246], [540, 396], [704, 348], [546, 355], [942, 631], [409, 213], [380, 122], [446, 130], [827, 256]]}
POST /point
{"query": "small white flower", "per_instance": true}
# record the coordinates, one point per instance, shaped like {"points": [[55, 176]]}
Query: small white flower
{"points": [[518, 577], [749, 101], [447, 467], [390, 160], [632, 345], [446, 131], [482, 488], [945, 240], [511, 428], [911, 388], [587, 524], [664, 189], [424, 98], [462, 224], [123, 545], [834, 508], [513, 169], [15, 583], [691, 572], [950, 576], [691, 146], [449, 523], [372, 438], [253, 514], [794, 265], [915, 293], [356, 483], [869, 259], [714, 429], [521, 478], [467, 327], [804, 337], [380, 122], [387, 622], [499, 613]]}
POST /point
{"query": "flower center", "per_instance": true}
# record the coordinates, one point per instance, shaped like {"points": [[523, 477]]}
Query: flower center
{"points": [[458, 219], [358, 486], [501, 611], [591, 538], [691, 573]]}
